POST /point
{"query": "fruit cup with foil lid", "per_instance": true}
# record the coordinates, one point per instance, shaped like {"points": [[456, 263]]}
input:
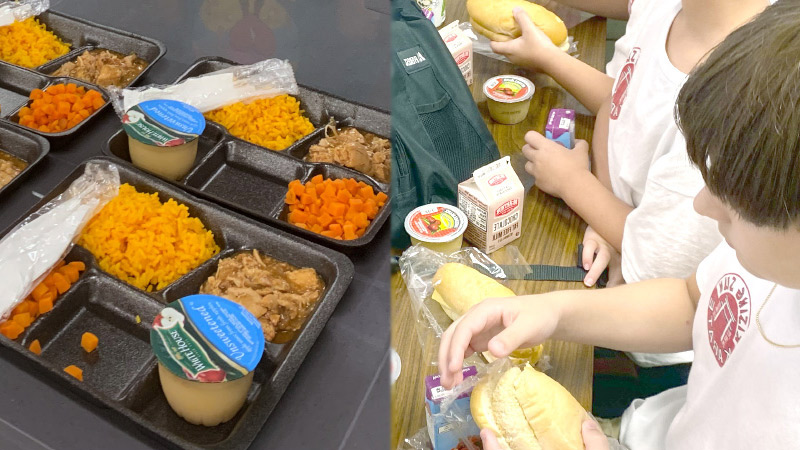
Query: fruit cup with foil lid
{"points": [[437, 226], [163, 136], [207, 349], [508, 98]]}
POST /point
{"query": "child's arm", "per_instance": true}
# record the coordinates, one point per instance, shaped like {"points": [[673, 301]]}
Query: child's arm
{"points": [[653, 316], [534, 50], [613, 9], [565, 174]]}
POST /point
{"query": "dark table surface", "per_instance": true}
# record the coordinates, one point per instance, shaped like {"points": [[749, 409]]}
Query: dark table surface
{"points": [[339, 398]]}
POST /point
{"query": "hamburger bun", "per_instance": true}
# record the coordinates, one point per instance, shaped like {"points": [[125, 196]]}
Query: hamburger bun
{"points": [[458, 288], [527, 410], [495, 20]]}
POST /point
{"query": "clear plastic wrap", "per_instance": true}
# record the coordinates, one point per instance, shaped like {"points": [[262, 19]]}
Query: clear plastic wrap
{"points": [[17, 11], [454, 415], [481, 45], [214, 90], [36, 244], [570, 16], [419, 264]]}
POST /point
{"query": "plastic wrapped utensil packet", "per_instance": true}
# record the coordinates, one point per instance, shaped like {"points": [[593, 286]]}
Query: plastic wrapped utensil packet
{"points": [[35, 245], [265, 79], [17, 11]]}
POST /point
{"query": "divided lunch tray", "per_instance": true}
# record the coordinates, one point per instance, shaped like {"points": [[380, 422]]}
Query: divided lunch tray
{"points": [[23, 145], [121, 374], [82, 35], [254, 180]]}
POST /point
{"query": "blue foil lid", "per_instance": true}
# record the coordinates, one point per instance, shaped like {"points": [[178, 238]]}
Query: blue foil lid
{"points": [[207, 338]]}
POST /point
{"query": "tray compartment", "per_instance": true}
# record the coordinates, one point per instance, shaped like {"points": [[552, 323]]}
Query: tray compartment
{"points": [[60, 137], [124, 349], [85, 35], [107, 307], [23, 145], [16, 84], [212, 137], [246, 175]]}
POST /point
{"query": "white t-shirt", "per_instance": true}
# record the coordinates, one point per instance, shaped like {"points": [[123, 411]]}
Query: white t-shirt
{"points": [[742, 391], [648, 164]]}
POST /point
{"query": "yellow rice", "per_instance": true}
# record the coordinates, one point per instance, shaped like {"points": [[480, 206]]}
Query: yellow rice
{"points": [[146, 243], [274, 123], [29, 44]]}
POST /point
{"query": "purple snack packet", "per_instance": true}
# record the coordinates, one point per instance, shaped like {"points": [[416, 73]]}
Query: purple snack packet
{"points": [[561, 127]]}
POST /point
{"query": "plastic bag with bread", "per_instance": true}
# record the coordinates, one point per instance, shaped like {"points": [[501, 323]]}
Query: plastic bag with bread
{"points": [[527, 410], [457, 288], [495, 20]]}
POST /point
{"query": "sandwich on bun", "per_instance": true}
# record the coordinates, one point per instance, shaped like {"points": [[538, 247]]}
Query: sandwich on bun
{"points": [[495, 20], [457, 288], [527, 410]]}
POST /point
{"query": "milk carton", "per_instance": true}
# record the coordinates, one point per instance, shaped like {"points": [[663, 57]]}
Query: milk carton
{"points": [[445, 432], [492, 201], [460, 47], [561, 127]]}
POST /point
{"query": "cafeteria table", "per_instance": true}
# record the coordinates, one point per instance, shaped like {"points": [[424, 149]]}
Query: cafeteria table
{"points": [[551, 233]]}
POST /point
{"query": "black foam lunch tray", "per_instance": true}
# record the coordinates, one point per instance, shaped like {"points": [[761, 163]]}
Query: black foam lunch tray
{"points": [[253, 180], [121, 375], [22, 145], [81, 35]]}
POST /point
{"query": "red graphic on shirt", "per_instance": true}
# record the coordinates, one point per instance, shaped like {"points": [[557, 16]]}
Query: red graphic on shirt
{"points": [[728, 315], [624, 79]]}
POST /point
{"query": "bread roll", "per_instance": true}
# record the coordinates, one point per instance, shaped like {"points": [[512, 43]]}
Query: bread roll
{"points": [[551, 411], [495, 20], [458, 288], [509, 414], [480, 405], [527, 410]]}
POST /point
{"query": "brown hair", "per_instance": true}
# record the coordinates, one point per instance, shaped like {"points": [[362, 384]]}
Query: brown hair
{"points": [[740, 113]]}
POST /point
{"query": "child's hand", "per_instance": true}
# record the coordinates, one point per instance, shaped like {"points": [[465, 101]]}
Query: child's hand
{"points": [[500, 325], [593, 437], [597, 253], [531, 50], [489, 440], [552, 165]]}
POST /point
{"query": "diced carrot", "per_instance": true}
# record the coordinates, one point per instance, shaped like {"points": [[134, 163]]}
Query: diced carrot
{"points": [[317, 179], [337, 209], [291, 198], [23, 319], [367, 192], [381, 197], [11, 329], [344, 196], [89, 342], [75, 371], [70, 273], [45, 305], [78, 265], [298, 216], [61, 283], [35, 347], [325, 220], [306, 199]]}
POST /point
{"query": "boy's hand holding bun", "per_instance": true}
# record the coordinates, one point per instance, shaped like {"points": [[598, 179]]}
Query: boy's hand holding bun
{"points": [[533, 49]]}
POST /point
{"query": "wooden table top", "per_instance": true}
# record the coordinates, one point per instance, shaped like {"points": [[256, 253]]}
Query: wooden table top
{"points": [[551, 235]]}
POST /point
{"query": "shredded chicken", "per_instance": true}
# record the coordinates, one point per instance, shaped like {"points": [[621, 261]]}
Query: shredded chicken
{"points": [[104, 68], [349, 147], [10, 167], [280, 295]]}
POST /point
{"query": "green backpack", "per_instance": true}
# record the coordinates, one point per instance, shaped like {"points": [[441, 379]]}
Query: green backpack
{"points": [[438, 135]]}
